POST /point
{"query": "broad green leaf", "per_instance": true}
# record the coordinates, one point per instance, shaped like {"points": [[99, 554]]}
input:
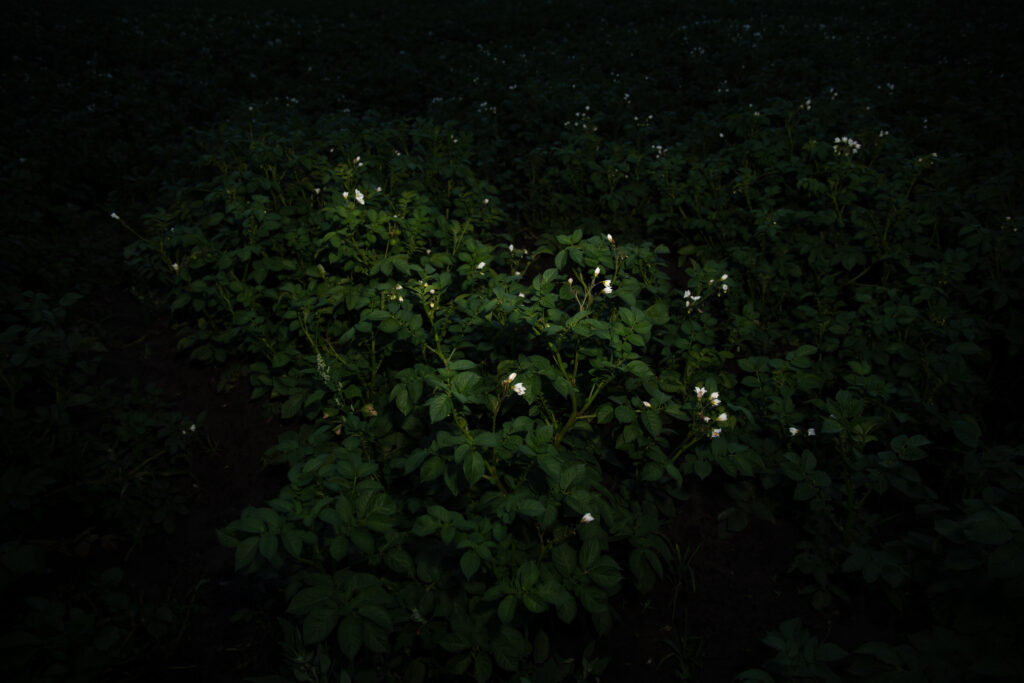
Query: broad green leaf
{"points": [[589, 552], [350, 636], [318, 624], [245, 553], [440, 407], [469, 563], [473, 466], [432, 468], [507, 609], [268, 546]]}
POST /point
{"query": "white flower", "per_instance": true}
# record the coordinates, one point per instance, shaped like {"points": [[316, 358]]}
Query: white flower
{"points": [[345, 195], [793, 431], [487, 200], [519, 388], [716, 433], [115, 216], [359, 197], [715, 401], [700, 391], [174, 267], [722, 417], [480, 266], [597, 271], [587, 518], [378, 188], [570, 282], [811, 432], [647, 404], [610, 238], [607, 287], [725, 288], [511, 247], [511, 377], [725, 276], [714, 395]]}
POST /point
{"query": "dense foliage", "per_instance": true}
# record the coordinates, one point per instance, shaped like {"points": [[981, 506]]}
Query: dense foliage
{"points": [[522, 292]]}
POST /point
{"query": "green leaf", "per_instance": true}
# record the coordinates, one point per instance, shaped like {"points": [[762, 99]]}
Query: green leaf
{"points": [[432, 468], [531, 507], [310, 597], [702, 469], [400, 396], [292, 406], [564, 559], [639, 368], [473, 467], [652, 421], [482, 667], [507, 609], [570, 474], [440, 407], [589, 553], [528, 574], [350, 636], [469, 563], [318, 624], [377, 615], [245, 553], [509, 647], [605, 573], [967, 432], [268, 546], [533, 603], [390, 325], [424, 525], [465, 382]]}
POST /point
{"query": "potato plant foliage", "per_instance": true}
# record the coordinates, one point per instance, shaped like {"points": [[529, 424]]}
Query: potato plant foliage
{"points": [[526, 302]]}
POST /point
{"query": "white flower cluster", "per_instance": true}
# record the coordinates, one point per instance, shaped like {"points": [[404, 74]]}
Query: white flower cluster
{"points": [[427, 294], [582, 120], [720, 283], [713, 400], [518, 387], [793, 431], [642, 122], [359, 196], [846, 146]]}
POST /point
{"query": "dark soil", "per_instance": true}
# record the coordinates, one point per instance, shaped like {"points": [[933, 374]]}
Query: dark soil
{"points": [[228, 628]]}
